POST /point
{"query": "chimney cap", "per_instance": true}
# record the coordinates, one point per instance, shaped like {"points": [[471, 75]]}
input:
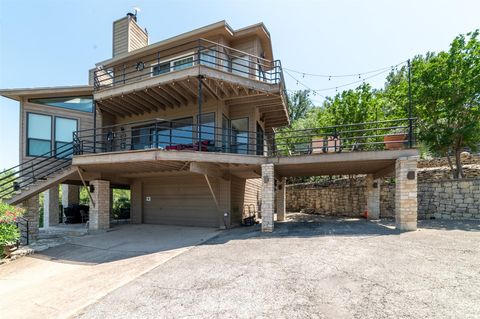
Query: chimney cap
{"points": [[132, 16]]}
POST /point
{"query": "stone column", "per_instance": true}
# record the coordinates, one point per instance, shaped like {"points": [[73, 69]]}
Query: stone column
{"points": [[51, 208], [280, 199], [373, 197], [268, 197], [406, 193], [32, 214], [136, 202], [70, 195], [99, 214]]}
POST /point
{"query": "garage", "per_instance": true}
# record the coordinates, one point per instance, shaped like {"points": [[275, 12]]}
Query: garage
{"points": [[179, 200]]}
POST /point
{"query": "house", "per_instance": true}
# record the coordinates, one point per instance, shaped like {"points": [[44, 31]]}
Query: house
{"points": [[189, 125]]}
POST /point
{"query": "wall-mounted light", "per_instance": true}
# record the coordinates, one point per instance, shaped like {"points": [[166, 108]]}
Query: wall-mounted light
{"points": [[411, 175], [92, 188], [375, 184], [266, 179]]}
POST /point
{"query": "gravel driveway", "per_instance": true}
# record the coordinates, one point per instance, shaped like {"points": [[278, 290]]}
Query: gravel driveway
{"points": [[318, 268]]}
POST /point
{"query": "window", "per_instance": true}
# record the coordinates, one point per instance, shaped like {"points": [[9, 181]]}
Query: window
{"points": [[163, 134], [207, 127], [39, 134], [241, 66], [182, 63], [260, 140], [240, 136], [161, 68], [77, 103], [226, 132], [64, 129], [182, 131], [208, 58]]}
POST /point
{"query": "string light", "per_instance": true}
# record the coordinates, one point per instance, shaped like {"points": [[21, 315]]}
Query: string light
{"points": [[330, 76]]}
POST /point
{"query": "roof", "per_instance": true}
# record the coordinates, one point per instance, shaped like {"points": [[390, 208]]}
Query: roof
{"points": [[221, 26], [17, 94]]}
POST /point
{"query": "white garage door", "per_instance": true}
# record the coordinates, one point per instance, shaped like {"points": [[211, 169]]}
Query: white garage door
{"points": [[180, 200]]}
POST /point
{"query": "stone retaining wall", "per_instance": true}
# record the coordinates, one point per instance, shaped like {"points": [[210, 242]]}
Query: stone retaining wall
{"points": [[443, 199]]}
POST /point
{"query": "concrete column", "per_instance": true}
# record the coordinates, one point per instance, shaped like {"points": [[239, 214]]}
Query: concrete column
{"points": [[136, 202], [70, 195], [51, 208], [406, 193], [373, 197], [280, 199], [268, 197], [32, 214], [99, 215]]}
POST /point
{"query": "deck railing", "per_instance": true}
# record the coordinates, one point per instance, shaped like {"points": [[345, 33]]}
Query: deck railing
{"points": [[193, 53], [184, 135]]}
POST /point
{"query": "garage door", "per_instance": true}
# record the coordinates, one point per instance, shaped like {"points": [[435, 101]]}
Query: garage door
{"points": [[180, 200]]}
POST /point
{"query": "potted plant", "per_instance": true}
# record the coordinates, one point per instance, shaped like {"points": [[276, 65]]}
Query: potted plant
{"points": [[9, 232], [396, 140]]}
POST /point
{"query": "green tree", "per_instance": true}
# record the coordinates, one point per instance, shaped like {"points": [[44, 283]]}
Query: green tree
{"points": [[446, 96], [299, 104]]}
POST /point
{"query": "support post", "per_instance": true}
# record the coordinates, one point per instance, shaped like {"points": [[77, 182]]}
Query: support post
{"points": [[268, 197], [100, 212], [51, 208], [373, 197], [94, 105], [280, 199], [406, 193]]}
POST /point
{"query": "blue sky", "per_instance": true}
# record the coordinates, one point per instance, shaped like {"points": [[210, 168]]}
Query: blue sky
{"points": [[50, 43]]}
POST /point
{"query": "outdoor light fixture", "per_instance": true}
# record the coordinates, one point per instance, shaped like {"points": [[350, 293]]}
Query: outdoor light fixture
{"points": [[266, 179], [92, 188], [375, 185], [411, 175]]}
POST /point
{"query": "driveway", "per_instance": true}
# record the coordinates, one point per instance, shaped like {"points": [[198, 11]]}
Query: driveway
{"points": [[62, 280], [316, 268]]}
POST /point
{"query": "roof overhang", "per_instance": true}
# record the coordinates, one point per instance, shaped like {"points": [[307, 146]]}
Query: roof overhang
{"points": [[220, 28], [19, 93]]}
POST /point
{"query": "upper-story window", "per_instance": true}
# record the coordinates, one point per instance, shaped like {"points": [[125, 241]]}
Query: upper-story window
{"points": [[183, 63], [208, 58], [161, 68], [64, 129], [39, 134], [77, 103]]}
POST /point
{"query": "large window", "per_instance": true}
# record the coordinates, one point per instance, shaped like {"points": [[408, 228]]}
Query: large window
{"points": [[39, 134], [240, 136], [182, 63], [207, 127], [161, 68], [163, 134], [64, 129], [208, 58], [241, 66], [77, 103]]}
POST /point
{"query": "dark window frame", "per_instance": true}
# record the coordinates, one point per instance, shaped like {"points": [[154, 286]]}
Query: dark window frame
{"points": [[27, 133], [64, 97], [54, 132]]}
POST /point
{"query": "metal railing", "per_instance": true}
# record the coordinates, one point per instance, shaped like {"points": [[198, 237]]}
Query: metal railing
{"points": [[184, 135], [38, 168], [368, 136], [167, 135], [23, 226], [193, 53]]}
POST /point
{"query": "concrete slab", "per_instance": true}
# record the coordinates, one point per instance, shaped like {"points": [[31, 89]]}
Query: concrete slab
{"points": [[61, 280]]}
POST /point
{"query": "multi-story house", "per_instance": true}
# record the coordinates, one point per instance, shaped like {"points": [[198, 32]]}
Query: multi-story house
{"points": [[188, 125]]}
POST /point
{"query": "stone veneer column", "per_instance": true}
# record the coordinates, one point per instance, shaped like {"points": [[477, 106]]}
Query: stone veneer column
{"points": [[32, 214], [373, 197], [268, 197], [51, 208], [70, 195], [406, 193], [280, 199], [99, 214]]}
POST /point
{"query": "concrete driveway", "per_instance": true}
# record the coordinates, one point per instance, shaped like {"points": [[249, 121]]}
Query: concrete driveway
{"points": [[317, 268], [62, 280]]}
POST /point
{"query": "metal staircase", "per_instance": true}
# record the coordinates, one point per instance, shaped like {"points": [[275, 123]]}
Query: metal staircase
{"points": [[37, 175]]}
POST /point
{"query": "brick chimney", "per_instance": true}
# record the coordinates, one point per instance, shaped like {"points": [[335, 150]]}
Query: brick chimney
{"points": [[128, 35]]}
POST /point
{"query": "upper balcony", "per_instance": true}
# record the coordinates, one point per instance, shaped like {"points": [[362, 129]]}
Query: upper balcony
{"points": [[170, 78]]}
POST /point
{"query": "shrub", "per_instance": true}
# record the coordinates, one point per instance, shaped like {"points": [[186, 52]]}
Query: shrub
{"points": [[9, 232]]}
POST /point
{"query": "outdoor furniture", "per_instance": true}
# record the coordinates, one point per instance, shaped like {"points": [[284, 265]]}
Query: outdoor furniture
{"points": [[75, 214]]}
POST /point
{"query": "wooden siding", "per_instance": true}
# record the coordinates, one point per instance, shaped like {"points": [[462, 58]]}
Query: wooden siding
{"points": [[120, 36], [137, 37], [244, 192], [179, 200]]}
